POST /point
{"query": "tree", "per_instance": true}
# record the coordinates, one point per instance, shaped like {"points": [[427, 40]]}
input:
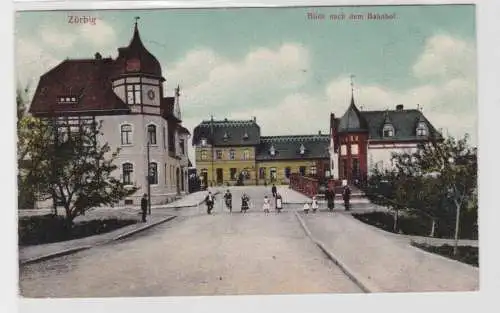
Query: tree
{"points": [[453, 164], [83, 172], [34, 139]]}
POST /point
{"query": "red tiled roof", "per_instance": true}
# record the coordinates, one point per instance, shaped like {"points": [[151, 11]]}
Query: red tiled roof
{"points": [[89, 80]]}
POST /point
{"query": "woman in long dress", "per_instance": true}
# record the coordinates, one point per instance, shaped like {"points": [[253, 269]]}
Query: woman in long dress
{"points": [[314, 204], [279, 203]]}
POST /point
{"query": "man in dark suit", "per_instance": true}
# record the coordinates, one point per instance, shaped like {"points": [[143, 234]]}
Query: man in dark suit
{"points": [[346, 194], [209, 200], [144, 206], [274, 191]]}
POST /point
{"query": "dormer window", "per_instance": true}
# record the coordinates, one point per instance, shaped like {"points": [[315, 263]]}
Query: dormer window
{"points": [[245, 136], [302, 149], [67, 99], [225, 136], [388, 130], [421, 129], [272, 151], [203, 142]]}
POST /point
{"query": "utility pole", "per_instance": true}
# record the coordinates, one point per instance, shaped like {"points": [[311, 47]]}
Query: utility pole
{"points": [[149, 178], [212, 145]]}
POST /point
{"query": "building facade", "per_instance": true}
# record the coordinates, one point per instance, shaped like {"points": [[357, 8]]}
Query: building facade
{"points": [[126, 95], [232, 152], [361, 141]]}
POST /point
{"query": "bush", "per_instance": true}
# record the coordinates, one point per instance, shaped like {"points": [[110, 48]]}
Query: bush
{"points": [[466, 254], [36, 230], [417, 225]]}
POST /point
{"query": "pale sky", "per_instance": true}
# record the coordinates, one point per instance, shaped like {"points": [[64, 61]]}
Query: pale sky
{"points": [[275, 64]]}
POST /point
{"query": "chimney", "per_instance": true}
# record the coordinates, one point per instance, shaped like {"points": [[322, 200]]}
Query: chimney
{"points": [[255, 119], [98, 56], [399, 107], [319, 132]]}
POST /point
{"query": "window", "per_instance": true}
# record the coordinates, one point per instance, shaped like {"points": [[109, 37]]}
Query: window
{"points": [[288, 171], [133, 94], [354, 149], [272, 173], [355, 168], [302, 149], [225, 136], [232, 154], [312, 170], [153, 173], [422, 129], [343, 150], [246, 154], [203, 154], [203, 142], [388, 131], [152, 134], [245, 136], [182, 146], [262, 173], [302, 170], [164, 138], [272, 150], [71, 100], [219, 154], [126, 131], [127, 169], [232, 173], [165, 174]]}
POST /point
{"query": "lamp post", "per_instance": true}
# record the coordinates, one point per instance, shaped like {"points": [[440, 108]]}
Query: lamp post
{"points": [[451, 191], [148, 177]]}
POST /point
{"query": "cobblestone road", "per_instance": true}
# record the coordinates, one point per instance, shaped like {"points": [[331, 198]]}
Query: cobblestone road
{"points": [[196, 254]]}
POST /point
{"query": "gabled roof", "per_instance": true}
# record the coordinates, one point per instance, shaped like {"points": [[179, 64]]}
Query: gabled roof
{"points": [[288, 147], [88, 80], [404, 123], [228, 132], [352, 120]]}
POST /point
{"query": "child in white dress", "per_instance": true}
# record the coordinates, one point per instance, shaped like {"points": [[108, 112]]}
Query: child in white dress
{"points": [[306, 207], [314, 204], [266, 205]]}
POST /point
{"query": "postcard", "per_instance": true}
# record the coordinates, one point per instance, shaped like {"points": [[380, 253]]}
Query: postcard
{"points": [[247, 151]]}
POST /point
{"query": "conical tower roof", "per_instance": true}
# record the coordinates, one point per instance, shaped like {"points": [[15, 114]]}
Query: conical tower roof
{"points": [[352, 120], [137, 58]]}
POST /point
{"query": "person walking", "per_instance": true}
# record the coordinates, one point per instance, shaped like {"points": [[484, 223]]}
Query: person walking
{"points": [[209, 201], [144, 207], [314, 204], [346, 195], [266, 206], [274, 191], [228, 197], [279, 203], [330, 198], [244, 203]]}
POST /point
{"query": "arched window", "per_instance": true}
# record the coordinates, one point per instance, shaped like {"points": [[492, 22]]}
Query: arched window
{"points": [[153, 173], [152, 134], [421, 129], [388, 130], [127, 170], [126, 134]]}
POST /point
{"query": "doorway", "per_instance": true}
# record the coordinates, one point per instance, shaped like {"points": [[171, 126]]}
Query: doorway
{"points": [[219, 175]]}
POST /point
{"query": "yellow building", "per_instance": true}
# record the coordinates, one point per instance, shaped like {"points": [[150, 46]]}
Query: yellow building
{"points": [[232, 152]]}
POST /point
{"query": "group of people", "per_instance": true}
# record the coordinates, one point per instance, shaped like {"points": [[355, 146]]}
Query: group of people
{"points": [[278, 201], [330, 200], [245, 202]]}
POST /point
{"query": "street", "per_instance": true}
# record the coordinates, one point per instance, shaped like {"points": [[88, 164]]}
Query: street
{"points": [[197, 254]]}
